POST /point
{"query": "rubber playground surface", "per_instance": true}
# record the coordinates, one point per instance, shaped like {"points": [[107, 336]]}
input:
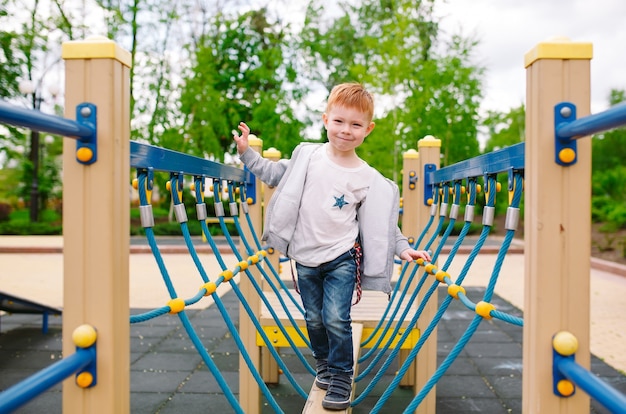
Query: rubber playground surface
{"points": [[167, 374]]}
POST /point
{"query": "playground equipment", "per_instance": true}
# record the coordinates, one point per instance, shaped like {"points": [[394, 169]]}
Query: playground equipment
{"points": [[556, 169]]}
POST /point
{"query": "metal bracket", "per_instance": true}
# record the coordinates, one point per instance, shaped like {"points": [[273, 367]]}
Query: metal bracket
{"points": [[250, 186], [87, 147], [428, 183], [565, 151], [557, 375], [412, 180]]}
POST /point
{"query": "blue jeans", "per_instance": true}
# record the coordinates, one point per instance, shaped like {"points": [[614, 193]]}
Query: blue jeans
{"points": [[326, 293]]}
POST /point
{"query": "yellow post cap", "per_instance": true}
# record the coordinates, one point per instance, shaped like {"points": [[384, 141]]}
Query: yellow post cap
{"points": [[411, 154], [95, 47], [558, 48], [429, 141], [254, 141], [271, 153]]}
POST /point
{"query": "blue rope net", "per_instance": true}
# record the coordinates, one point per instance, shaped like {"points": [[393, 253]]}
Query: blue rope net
{"points": [[398, 319]]}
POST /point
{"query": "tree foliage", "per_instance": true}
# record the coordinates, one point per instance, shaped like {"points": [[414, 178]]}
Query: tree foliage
{"points": [[608, 199], [240, 74], [423, 84], [505, 129]]}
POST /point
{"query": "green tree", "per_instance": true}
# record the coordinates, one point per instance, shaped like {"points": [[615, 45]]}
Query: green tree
{"points": [[609, 148], [424, 84], [240, 73], [505, 129]]}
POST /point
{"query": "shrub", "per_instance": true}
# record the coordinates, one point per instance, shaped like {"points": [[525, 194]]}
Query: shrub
{"points": [[5, 211]]}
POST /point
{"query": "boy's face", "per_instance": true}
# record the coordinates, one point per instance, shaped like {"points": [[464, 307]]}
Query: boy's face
{"points": [[346, 127]]}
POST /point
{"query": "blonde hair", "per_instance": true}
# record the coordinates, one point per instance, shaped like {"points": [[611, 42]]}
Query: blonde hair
{"points": [[351, 95]]}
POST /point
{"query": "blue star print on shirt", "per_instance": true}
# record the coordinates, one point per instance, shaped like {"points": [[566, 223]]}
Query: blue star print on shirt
{"points": [[340, 202]]}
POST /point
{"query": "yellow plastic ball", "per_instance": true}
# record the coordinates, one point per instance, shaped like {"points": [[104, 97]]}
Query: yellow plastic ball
{"points": [[176, 305], [412, 174], [243, 265], [498, 187], [565, 387], [227, 274], [84, 336], [249, 200], [168, 185], [429, 201], [84, 154], [210, 288], [463, 189], [192, 186], [479, 188], [453, 290], [254, 259], [565, 343], [567, 155], [441, 275], [84, 379], [484, 309], [135, 183], [412, 186]]}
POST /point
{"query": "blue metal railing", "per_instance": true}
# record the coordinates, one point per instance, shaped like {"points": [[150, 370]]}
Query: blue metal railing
{"points": [[22, 392], [38, 121], [606, 395], [592, 124], [497, 161], [161, 159]]}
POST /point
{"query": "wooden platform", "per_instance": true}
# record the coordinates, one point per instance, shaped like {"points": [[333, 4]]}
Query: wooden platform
{"points": [[367, 313], [313, 404]]}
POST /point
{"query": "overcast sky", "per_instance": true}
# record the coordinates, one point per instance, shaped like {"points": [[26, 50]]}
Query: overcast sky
{"points": [[507, 29]]}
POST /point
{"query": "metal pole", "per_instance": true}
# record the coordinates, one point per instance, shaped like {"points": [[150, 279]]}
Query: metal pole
{"points": [[34, 158]]}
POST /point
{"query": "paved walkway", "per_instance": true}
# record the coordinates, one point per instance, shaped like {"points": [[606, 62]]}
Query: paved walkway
{"points": [[168, 376]]}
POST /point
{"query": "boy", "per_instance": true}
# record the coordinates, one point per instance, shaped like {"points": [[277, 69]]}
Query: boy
{"points": [[328, 205]]}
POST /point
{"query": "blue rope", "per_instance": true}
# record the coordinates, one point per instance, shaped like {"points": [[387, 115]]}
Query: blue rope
{"points": [[271, 284], [434, 322], [397, 308], [477, 319], [399, 283], [183, 317], [260, 291], [269, 263]]}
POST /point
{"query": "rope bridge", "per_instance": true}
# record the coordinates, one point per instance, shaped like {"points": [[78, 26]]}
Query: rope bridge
{"points": [[386, 330], [404, 327]]}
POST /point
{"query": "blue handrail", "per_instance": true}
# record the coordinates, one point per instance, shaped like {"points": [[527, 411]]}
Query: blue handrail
{"points": [[162, 159], [497, 161], [22, 392], [592, 124], [39, 121], [606, 395]]}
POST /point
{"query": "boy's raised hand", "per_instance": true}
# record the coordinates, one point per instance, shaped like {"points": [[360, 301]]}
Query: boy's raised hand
{"points": [[242, 141]]}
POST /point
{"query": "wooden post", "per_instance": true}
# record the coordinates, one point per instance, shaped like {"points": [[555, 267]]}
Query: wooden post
{"points": [[410, 228], [249, 392], [557, 223], [269, 366], [96, 220], [429, 149]]}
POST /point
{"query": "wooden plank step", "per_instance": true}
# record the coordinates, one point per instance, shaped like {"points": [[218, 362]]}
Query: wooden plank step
{"points": [[313, 404], [367, 312]]}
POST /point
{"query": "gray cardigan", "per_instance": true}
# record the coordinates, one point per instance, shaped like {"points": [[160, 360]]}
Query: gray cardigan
{"points": [[377, 216]]}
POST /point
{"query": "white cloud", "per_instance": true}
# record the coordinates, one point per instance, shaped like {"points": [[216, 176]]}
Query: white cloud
{"points": [[508, 29]]}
